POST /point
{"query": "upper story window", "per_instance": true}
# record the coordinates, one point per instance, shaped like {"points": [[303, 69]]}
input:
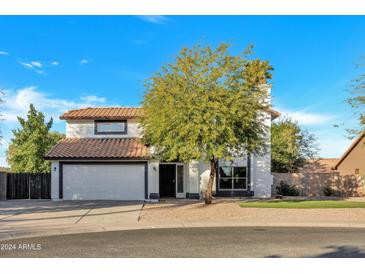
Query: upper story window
{"points": [[111, 127]]}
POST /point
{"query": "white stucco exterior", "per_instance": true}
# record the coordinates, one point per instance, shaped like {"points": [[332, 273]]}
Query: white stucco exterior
{"points": [[55, 180], [153, 177], [261, 179], [193, 177], [86, 129]]}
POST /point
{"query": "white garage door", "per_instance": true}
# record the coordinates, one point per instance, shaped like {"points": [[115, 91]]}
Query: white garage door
{"points": [[103, 181]]}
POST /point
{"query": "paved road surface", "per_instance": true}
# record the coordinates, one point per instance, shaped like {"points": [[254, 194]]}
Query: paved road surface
{"points": [[197, 242]]}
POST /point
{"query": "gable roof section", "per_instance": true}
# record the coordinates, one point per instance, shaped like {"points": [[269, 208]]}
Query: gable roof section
{"points": [[351, 147], [111, 113], [321, 165], [115, 113], [99, 148], [274, 113]]}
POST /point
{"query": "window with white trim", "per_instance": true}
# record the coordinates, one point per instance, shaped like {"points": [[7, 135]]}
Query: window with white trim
{"points": [[232, 178], [110, 127]]}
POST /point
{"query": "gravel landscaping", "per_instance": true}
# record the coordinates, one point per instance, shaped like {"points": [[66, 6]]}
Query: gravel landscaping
{"points": [[225, 211]]}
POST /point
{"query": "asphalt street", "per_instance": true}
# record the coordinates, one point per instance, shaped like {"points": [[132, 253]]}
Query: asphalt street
{"points": [[241, 242]]}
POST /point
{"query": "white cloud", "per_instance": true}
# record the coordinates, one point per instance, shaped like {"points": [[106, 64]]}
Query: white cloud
{"points": [[36, 64], [84, 61], [93, 98], [307, 118], [3, 53], [17, 103], [156, 19], [33, 65], [55, 63], [26, 65]]}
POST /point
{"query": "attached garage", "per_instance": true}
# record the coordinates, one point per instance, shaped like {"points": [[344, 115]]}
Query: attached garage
{"points": [[103, 181], [99, 169]]}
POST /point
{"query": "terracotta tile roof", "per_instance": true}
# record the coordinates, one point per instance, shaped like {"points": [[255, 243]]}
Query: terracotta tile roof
{"points": [[99, 148], [103, 113], [322, 165], [274, 113], [114, 113]]}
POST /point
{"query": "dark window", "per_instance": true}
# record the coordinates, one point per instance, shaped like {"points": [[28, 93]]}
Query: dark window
{"points": [[231, 178], [225, 183], [239, 183], [239, 172], [110, 127], [225, 171]]}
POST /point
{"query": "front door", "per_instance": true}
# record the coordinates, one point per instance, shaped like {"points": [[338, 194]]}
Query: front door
{"points": [[167, 180]]}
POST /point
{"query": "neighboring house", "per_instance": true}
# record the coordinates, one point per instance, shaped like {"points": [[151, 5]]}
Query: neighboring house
{"points": [[4, 169], [321, 165], [352, 161], [102, 158]]}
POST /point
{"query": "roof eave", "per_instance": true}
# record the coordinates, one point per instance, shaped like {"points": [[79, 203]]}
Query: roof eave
{"points": [[98, 118], [59, 158], [351, 147], [274, 114]]}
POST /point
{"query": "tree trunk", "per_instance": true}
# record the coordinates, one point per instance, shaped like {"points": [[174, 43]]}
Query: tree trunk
{"points": [[208, 191]]}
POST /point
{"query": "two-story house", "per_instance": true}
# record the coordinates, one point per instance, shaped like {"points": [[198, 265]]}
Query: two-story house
{"points": [[102, 158]]}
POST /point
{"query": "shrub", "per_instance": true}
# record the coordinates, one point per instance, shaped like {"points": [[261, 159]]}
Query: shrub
{"points": [[329, 191], [286, 190]]}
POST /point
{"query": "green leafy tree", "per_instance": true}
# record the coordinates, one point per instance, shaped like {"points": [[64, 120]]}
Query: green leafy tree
{"points": [[291, 147], [31, 142], [207, 105], [1, 116], [357, 97]]}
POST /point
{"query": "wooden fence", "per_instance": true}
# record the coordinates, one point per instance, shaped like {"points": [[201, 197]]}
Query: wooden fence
{"points": [[28, 186]]}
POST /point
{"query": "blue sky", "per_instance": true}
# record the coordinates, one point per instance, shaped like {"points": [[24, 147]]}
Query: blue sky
{"points": [[65, 62]]}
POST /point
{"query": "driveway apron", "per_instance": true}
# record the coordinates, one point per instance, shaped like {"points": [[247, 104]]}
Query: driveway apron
{"points": [[26, 218]]}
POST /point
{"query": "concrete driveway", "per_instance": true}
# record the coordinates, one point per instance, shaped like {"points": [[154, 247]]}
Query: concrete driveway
{"points": [[26, 218]]}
